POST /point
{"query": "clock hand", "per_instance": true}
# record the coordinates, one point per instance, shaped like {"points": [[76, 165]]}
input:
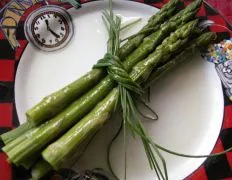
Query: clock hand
{"points": [[47, 24], [53, 33], [50, 30]]}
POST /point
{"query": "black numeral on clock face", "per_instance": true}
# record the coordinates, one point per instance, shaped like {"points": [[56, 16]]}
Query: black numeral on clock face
{"points": [[42, 17], [60, 21], [37, 22], [61, 34]]}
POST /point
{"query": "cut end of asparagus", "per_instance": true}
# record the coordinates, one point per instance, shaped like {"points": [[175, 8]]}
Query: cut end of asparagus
{"points": [[35, 117], [40, 169]]}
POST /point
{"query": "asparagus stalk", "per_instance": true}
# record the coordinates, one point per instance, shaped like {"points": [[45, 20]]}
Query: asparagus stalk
{"points": [[57, 152], [74, 112], [15, 133], [200, 42], [16, 136], [57, 101], [152, 25]]}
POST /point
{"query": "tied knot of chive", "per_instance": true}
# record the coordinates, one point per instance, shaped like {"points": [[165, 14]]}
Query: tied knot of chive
{"points": [[117, 72], [111, 61]]}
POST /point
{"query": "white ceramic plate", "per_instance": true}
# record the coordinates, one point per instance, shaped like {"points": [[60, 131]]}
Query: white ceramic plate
{"points": [[189, 100]]}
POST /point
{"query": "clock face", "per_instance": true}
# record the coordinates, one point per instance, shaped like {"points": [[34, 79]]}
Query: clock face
{"points": [[49, 28]]}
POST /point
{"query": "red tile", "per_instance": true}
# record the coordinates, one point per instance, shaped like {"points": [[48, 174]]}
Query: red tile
{"points": [[227, 123], [165, 1], [5, 168], [6, 111], [217, 19], [158, 5], [218, 147], [201, 12], [7, 70], [220, 24], [3, 3], [228, 178], [199, 174], [2, 36]]}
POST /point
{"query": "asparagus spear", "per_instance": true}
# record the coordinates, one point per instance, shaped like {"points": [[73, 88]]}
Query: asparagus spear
{"points": [[56, 102], [47, 132], [57, 152], [153, 25], [200, 42], [15, 133]]}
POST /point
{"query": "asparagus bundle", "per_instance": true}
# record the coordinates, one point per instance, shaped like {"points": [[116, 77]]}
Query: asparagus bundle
{"points": [[67, 144], [43, 167], [78, 109], [57, 101]]}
